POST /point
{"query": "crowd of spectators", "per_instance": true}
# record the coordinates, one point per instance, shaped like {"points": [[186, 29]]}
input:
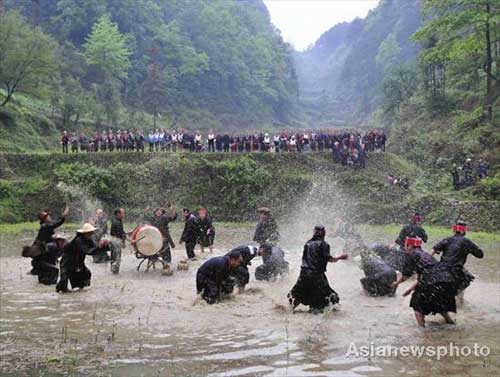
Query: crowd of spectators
{"points": [[348, 147]]}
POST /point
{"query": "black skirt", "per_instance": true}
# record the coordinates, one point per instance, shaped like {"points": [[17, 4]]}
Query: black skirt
{"points": [[434, 298], [206, 240], [313, 290], [80, 278], [463, 278]]}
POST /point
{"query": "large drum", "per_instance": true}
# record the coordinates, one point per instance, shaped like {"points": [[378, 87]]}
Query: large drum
{"points": [[148, 240]]}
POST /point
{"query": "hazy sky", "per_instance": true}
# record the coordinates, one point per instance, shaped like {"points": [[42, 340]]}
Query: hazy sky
{"points": [[303, 21]]}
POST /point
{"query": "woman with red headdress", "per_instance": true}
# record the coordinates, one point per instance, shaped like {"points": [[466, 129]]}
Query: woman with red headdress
{"points": [[454, 251], [206, 231], [434, 291]]}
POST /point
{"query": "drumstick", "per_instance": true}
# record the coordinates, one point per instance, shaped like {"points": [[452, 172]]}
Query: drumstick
{"points": [[140, 239], [135, 242]]}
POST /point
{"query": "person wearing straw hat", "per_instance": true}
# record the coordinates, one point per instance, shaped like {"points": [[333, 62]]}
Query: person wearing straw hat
{"points": [[73, 266]]}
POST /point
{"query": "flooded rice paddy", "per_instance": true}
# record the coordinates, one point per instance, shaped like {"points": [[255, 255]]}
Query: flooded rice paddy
{"points": [[146, 324]]}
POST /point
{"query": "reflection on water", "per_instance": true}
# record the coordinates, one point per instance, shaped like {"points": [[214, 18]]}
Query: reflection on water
{"points": [[146, 324]]}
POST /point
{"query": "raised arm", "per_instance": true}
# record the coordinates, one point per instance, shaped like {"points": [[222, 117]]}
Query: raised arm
{"points": [[473, 249], [439, 247]]}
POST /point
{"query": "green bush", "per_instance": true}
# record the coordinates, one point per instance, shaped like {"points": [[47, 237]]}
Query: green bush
{"points": [[489, 188]]}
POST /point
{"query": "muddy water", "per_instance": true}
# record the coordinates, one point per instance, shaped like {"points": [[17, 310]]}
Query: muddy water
{"points": [[146, 324]]}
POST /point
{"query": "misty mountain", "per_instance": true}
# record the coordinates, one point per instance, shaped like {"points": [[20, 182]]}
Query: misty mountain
{"points": [[340, 75]]}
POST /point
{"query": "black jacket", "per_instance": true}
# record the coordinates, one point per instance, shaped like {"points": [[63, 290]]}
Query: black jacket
{"points": [[213, 272], [117, 229], [276, 259], [73, 257], [47, 230], [456, 249], [190, 233], [411, 231], [315, 256], [162, 223], [417, 262], [266, 231]]}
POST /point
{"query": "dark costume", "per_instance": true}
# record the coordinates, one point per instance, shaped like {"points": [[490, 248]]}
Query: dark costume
{"points": [[392, 256], [240, 276], [211, 278], [190, 234], [434, 292], [454, 255], [206, 232], [47, 264], [102, 229], [411, 231], [455, 178], [118, 232], [39, 247], [267, 231], [73, 263], [312, 287], [162, 224], [378, 276], [274, 264]]}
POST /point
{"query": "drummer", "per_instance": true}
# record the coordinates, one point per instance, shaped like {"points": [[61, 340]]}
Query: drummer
{"points": [[161, 220]]}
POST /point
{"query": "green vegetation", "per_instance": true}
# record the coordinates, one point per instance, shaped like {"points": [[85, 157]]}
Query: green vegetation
{"points": [[220, 60], [229, 186], [27, 57]]}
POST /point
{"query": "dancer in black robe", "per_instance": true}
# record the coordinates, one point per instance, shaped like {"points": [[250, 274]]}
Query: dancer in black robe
{"points": [[434, 291], [73, 268], [454, 251], [312, 288]]}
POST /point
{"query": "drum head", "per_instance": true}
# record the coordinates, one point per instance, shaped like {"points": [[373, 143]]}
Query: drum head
{"points": [[149, 240]]}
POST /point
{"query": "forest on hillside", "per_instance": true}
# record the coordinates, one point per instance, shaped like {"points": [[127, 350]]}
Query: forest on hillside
{"points": [[109, 61]]}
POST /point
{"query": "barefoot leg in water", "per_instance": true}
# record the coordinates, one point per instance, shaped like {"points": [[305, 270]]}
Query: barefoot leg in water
{"points": [[448, 318], [460, 298], [420, 319]]}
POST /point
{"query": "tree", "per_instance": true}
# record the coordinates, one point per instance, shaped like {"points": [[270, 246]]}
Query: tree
{"points": [[107, 48], [107, 95], [154, 90], [73, 102], [27, 59], [398, 86], [463, 30]]}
